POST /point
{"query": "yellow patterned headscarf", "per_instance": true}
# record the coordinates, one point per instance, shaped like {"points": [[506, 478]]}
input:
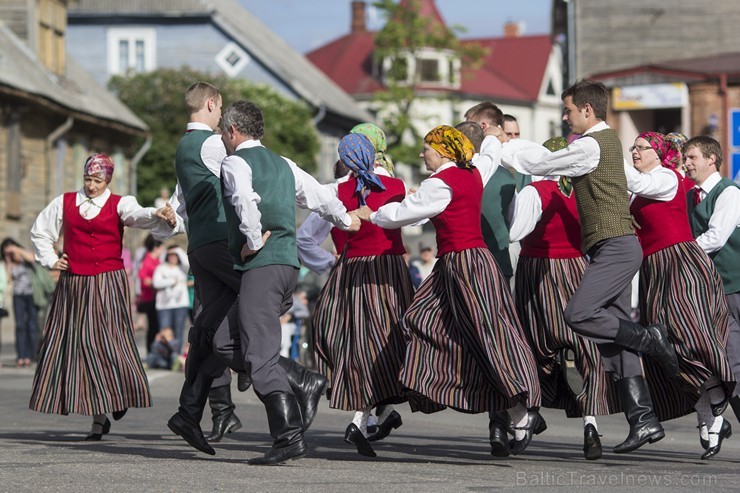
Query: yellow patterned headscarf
{"points": [[449, 142]]}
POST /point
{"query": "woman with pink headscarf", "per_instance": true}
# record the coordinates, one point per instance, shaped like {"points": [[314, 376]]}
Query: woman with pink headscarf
{"points": [[88, 361], [679, 287]]}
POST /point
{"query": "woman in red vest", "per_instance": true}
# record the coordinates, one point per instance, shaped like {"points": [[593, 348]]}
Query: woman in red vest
{"points": [[357, 322], [549, 270], [679, 287], [465, 346], [88, 361]]}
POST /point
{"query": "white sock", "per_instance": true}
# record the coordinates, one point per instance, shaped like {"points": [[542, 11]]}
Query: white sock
{"points": [[387, 410], [519, 418], [714, 429], [360, 420], [704, 415], [98, 422], [590, 420], [703, 431]]}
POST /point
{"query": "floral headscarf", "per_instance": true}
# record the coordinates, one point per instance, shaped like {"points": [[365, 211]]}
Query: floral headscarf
{"points": [[449, 142], [100, 166], [555, 144], [678, 140], [377, 138], [356, 152], [668, 154]]}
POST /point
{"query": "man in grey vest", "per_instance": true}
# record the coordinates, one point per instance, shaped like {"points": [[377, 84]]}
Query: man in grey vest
{"points": [[600, 307], [260, 192], [714, 215]]}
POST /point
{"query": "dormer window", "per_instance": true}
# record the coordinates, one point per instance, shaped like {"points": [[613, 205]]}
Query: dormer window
{"points": [[428, 67]]}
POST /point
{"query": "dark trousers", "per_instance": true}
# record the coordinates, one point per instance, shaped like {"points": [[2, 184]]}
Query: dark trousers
{"points": [[26, 326], [603, 298], [733, 334], [149, 308]]}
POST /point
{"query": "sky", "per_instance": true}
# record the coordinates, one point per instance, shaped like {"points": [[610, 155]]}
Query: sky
{"points": [[308, 24]]}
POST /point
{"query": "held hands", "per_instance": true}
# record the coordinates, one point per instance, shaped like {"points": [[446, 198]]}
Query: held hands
{"points": [[246, 252], [62, 263], [355, 224], [363, 213], [167, 213]]}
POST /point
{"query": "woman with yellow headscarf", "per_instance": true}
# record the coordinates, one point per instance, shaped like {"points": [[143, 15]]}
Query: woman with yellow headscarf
{"points": [[466, 348]]}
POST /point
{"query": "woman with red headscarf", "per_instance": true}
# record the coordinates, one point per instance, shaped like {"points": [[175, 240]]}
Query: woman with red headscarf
{"points": [[88, 361], [679, 287], [465, 346]]}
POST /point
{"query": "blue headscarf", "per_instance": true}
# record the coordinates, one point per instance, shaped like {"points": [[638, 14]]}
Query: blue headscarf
{"points": [[356, 152]]}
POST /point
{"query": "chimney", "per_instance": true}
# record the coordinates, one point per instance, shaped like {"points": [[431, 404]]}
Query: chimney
{"points": [[358, 16], [513, 29]]}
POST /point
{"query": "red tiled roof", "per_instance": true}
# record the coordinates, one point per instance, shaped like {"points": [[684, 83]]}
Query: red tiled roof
{"points": [[513, 68]]}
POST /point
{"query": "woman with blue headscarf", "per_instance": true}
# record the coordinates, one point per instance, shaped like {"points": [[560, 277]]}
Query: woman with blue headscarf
{"points": [[357, 322]]}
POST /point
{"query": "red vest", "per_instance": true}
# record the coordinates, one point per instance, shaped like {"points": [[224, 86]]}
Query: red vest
{"points": [[458, 226], [373, 240], [93, 246], [662, 224], [558, 232], [339, 238]]}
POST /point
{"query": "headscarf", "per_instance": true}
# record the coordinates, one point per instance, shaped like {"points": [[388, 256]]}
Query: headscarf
{"points": [[377, 138], [100, 166], [667, 151], [356, 152], [555, 144], [678, 140], [449, 142]]}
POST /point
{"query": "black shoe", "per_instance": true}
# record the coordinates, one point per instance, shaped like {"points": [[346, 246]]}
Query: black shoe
{"points": [[119, 414], [354, 435], [591, 443], [535, 421], [724, 432], [243, 381], [286, 429], [719, 408], [222, 411], [497, 423], [704, 443], [190, 432], [652, 340], [392, 422], [645, 427], [307, 386], [96, 437]]}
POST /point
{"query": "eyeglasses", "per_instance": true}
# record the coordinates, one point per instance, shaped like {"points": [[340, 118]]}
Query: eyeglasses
{"points": [[639, 148]]}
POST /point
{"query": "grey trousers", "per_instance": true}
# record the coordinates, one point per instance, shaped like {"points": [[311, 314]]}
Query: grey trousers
{"points": [[733, 334], [603, 298]]}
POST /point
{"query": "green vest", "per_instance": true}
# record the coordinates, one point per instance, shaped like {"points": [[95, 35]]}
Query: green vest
{"points": [[727, 258], [202, 191], [273, 181], [497, 196], [601, 195]]}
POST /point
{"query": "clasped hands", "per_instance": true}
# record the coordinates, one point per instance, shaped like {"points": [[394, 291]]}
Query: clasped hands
{"points": [[167, 213], [358, 215]]}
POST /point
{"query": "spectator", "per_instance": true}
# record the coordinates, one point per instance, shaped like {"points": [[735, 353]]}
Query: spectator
{"points": [[147, 293], [426, 263], [19, 263], [172, 300], [164, 350]]}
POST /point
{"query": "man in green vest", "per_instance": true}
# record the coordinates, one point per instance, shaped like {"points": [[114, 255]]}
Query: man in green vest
{"points": [[260, 192], [600, 307], [714, 215]]}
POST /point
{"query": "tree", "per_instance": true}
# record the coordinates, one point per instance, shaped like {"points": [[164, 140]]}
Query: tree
{"points": [[405, 34], [157, 98]]}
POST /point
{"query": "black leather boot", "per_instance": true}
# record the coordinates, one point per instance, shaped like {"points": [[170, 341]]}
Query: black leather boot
{"points": [[652, 340], [186, 421], [591, 443], [645, 427], [243, 381], [286, 429], [307, 386], [497, 424], [222, 410]]}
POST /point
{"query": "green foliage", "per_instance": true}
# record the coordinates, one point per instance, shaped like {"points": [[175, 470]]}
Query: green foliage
{"points": [[157, 98]]}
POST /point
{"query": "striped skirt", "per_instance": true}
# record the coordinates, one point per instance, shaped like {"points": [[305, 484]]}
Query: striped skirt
{"points": [[680, 288], [466, 348], [358, 341], [88, 362], [543, 288]]}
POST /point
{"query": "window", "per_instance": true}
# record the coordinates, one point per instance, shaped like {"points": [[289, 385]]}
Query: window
{"points": [[131, 49], [51, 27], [428, 69], [399, 69], [232, 59]]}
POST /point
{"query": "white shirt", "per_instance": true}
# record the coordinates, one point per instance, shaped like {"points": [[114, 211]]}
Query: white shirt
{"points": [[725, 218], [45, 230], [434, 195], [236, 176], [171, 283], [212, 153], [527, 212], [659, 183], [579, 158]]}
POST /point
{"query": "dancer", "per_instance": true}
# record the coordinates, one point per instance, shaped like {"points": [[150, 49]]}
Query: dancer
{"points": [[88, 361], [549, 270], [466, 348], [600, 307], [357, 322]]}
